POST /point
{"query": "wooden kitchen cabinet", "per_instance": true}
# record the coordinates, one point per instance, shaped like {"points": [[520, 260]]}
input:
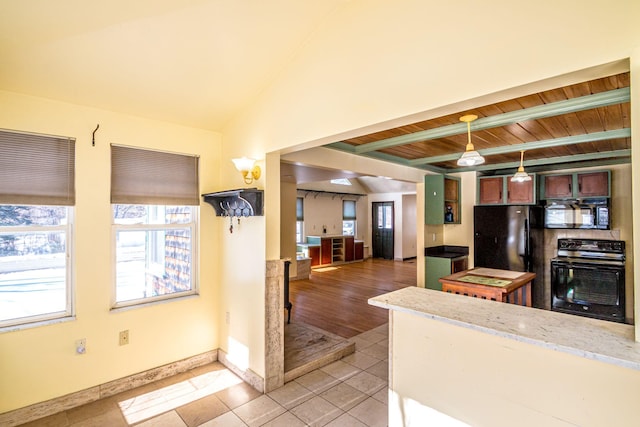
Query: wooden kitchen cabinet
{"points": [[314, 254], [558, 186], [358, 250], [520, 193], [500, 190], [326, 251], [490, 190], [349, 249], [593, 184], [441, 192], [334, 250], [578, 185]]}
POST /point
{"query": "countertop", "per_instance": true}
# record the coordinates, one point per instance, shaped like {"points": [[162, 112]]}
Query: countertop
{"points": [[601, 340], [447, 251]]}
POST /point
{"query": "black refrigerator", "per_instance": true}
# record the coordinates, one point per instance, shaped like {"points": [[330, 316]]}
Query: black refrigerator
{"points": [[511, 238]]}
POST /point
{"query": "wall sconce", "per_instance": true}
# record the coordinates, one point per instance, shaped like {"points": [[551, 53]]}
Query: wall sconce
{"points": [[247, 167]]}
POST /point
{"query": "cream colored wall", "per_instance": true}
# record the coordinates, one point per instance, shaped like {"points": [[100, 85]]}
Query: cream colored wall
{"points": [[40, 363], [635, 175], [409, 224], [450, 375]]}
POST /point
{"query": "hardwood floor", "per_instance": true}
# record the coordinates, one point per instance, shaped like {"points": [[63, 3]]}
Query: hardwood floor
{"points": [[335, 299]]}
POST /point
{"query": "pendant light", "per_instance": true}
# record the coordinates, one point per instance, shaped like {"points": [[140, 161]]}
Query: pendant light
{"points": [[470, 157], [521, 175]]}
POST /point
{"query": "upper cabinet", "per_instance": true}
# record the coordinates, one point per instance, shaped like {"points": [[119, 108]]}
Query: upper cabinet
{"points": [[500, 190], [442, 200], [577, 185]]}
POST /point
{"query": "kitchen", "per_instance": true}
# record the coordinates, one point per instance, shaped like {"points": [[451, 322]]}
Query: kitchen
{"points": [[579, 129]]}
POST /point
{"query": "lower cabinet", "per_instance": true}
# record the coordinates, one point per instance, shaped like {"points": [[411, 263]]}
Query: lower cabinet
{"points": [[437, 267], [334, 250]]}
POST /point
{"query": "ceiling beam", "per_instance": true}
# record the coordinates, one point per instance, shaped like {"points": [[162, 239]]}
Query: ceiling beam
{"points": [[348, 148], [548, 143], [581, 103], [538, 163]]}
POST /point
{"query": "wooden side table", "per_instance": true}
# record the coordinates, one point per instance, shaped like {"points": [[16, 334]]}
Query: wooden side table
{"points": [[512, 287]]}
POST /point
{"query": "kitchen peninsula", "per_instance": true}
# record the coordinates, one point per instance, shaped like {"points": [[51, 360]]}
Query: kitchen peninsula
{"points": [[469, 361], [332, 249]]}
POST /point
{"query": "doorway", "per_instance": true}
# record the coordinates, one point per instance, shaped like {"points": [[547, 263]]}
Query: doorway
{"points": [[382, 230]]}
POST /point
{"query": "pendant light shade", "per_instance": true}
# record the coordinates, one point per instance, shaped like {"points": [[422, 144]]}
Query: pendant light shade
{"points": [[470, 157], [521, 175]]}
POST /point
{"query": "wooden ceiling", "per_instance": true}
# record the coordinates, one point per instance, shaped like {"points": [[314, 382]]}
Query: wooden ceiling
{"points": [[585, 124]]}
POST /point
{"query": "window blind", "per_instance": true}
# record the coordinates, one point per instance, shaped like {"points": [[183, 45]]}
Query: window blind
{"points": [[299, 209], [140, 176], [36, 169], [348, 210]]}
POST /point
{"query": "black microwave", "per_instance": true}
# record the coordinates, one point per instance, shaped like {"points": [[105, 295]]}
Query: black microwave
{"points": [[582, 214]]}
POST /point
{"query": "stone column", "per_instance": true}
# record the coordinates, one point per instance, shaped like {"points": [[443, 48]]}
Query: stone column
{"points": [[274, 325]]}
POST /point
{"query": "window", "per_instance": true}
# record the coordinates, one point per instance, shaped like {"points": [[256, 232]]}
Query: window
{"points": [[155, 219], [299, 220], [37, 195], [349, 217]]}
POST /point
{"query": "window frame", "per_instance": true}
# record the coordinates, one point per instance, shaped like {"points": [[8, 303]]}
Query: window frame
{"points": [[300, 219], [193, 226], [348, 219], [69, 313]]}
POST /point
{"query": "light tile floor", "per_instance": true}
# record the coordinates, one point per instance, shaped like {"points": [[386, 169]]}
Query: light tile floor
{"points": [[349, 392]]}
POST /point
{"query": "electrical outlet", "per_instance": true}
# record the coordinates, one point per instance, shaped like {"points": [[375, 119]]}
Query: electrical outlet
{"points": [[81, 346], [124, 337], [227, 317]]}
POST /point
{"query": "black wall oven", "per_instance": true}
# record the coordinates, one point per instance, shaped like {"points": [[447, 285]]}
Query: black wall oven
{"points": [[587, 278]]}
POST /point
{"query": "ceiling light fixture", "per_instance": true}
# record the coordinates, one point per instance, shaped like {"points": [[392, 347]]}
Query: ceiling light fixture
{"points": [[248, 168], [521, 175], [470, 157]]}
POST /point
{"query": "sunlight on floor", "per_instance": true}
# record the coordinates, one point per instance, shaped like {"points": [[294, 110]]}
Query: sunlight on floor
{"points": [[150, 404], [324, 269]]}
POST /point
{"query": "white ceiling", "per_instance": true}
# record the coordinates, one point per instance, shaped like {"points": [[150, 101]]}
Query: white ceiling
{"points": [[192, 62]]}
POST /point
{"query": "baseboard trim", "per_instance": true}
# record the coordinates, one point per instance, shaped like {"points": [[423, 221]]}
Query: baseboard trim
{"points": [[82, 397], [247, 375]]}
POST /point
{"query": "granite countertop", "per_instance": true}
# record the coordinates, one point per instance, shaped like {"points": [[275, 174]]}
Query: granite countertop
{"points": [[581, 336], [446, 251]]}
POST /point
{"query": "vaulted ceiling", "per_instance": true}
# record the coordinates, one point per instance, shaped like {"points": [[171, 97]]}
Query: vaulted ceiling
{"points": [[584, 124]]}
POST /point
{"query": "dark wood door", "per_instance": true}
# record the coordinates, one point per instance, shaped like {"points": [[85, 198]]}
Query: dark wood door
{"points": [[491, 191], [382, 230], [593, 184], [558, 186]]}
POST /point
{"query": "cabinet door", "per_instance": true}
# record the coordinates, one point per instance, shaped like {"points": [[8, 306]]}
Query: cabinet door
{"points": [[594, 184], [436, 268], [490, 191], [434, 199], [519, 192], [349, 249], [314, 254], [359, 250], [558, 186], [326, 251]]}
